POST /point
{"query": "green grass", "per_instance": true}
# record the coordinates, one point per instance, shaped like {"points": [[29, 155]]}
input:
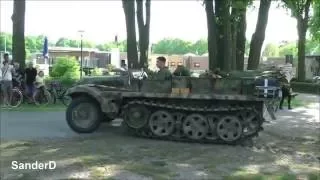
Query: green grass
{"points": [[295, 103], [33, 107]]}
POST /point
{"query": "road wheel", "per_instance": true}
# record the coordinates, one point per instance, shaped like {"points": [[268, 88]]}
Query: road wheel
{"points": [[83, 115]]}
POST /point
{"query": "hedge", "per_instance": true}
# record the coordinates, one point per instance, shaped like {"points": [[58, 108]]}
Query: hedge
{"points": [[306, 87]]}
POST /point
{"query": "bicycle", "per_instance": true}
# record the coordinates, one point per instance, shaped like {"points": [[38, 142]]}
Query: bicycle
{"points": [[25, 95], [42, 96], [58, 92], [16, 98]]}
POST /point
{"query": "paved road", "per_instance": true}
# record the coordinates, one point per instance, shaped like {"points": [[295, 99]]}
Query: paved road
{"points": [[37, 125], [33, 125]]}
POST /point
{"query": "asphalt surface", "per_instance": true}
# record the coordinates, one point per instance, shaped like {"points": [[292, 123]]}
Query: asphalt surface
{"points": [[33, 125], [38, 125]]}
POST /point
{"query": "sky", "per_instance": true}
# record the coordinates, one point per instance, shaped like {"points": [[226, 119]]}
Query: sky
{"points": [[102, 20]]}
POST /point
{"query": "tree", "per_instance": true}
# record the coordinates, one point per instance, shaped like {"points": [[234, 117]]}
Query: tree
{"points": [[226, 33], [290, 48], [271, 50], [212, 34], [259, 35], [5, 42], [238, 14], [200, 47], [172, 46], [315, 21], [18, 23], [144, 28], [300, 10], [223, 22], [129, 12]]}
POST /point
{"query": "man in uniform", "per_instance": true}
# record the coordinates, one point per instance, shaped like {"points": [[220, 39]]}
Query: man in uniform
{"points": [[286, 90], [182, 71], [163, 73]]}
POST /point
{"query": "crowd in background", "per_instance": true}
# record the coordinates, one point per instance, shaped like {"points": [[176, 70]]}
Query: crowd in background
{"points": [[13, 76]]}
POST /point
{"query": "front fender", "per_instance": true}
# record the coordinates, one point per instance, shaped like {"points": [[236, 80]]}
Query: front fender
{"points": [[107, 98]]}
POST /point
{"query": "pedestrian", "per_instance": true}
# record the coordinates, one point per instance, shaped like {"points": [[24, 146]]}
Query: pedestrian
{"points": [[18, 77], [124, 66], [286, 91], [6, 84], [30, 78]]}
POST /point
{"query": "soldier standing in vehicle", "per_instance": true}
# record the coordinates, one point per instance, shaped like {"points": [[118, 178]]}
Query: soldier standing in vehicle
{"points": [[182, 71], [163, 73]]}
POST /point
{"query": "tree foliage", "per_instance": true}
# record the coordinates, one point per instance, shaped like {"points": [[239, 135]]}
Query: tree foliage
{"points": [[34, 44], [300, 10], [290, 48], [315, 21], [172, 46]]}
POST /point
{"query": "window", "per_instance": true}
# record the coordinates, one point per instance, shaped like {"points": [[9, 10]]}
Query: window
{"points": [[172, 64], [180, 63], [196, 64]]}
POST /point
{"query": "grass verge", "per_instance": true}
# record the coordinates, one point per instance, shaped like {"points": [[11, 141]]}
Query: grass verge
{"points": [[33, 107]]}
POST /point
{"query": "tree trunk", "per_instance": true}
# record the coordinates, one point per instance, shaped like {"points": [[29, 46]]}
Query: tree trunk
{"points": [[241, 39], [144, 28], [132, 52], [302, 26], [259, 35], [218, 5], [234, 30], [212, 36], [224, 54], [18, 39], [302, 31]]}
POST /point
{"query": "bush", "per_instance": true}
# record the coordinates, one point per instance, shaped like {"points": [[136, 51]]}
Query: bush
{"points": [[97, 72], [66, 70], [305, 87], [110, 67], [65, 66]]}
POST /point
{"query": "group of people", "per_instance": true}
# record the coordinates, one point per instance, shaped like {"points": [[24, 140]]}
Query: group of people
{"points": [[12, 75], [285, 71], [165, 74]]}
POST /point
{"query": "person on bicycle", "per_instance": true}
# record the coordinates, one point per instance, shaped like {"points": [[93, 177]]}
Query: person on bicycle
{"points": [[6, 83]]}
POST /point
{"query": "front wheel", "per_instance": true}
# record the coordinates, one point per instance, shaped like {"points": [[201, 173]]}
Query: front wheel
{"points": [[42, 97], [66, 100], [16, 98], [83, 115]]}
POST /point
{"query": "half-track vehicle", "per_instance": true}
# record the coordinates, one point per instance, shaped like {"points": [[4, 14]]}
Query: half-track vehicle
{"points": [[227, 110]]}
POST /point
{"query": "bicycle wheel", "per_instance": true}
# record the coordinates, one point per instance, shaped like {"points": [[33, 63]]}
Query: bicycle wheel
{"points": [[66, 100], [42, 98], [17, 98]]}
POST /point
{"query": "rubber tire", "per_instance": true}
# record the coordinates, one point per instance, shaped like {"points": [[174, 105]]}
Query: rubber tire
{"points": [[48, 96], [19, 93], [97, 115]]}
